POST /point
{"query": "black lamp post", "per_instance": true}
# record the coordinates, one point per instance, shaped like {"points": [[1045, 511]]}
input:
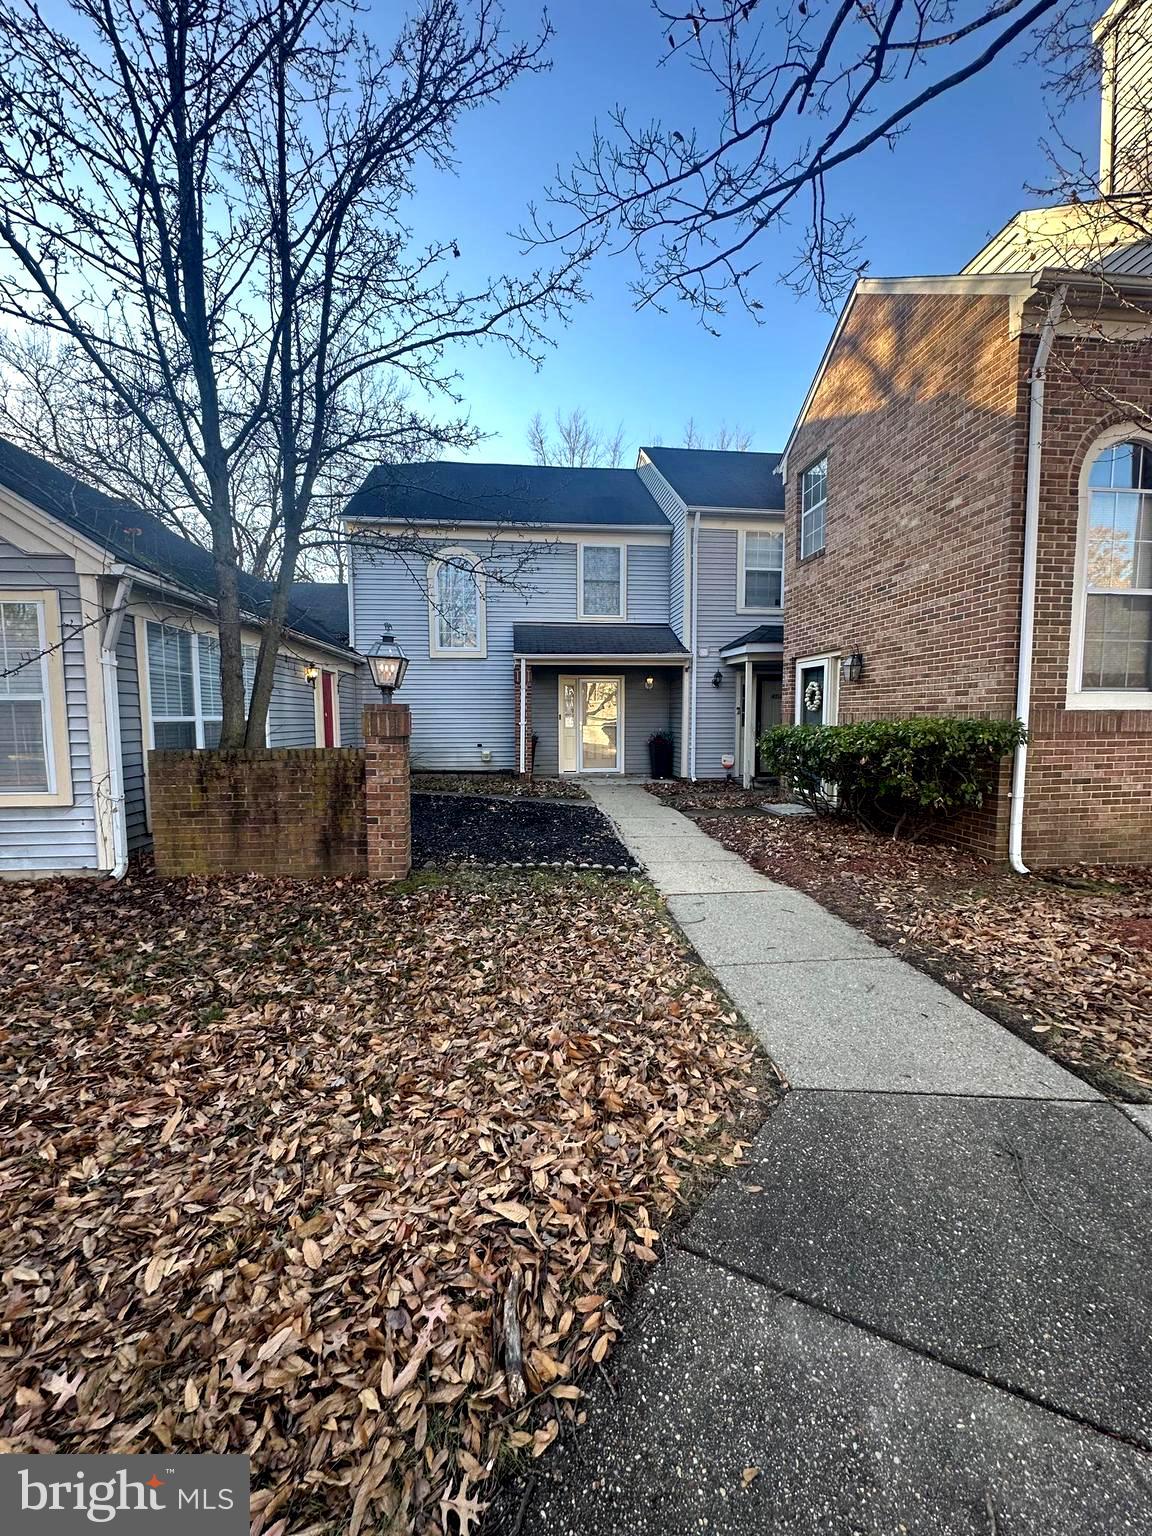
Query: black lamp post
{"points": [[387, 663]]}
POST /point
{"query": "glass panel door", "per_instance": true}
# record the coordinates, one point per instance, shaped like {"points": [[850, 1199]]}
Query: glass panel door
{"points": [[599, 724]]}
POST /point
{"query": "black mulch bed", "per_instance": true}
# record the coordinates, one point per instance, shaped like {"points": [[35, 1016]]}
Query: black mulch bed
{"points": [[476, 829]]}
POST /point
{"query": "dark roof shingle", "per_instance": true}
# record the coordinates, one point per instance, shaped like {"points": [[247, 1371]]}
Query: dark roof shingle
{"points": [[763, 634], [596, 640], [712, 477], [506, 493], [138, 538]]}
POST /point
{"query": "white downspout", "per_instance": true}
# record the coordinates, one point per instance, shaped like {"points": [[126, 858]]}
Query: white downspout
{"points": [[523, 711], [695, 548], [108, 672], [1028, 585]]}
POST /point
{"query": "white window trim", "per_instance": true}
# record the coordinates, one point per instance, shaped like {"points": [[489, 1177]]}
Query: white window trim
{"points": [[438, 652], [602, 618], [742, 568], [59, 763], [190, 627], [1077, 697], [830, 661], [806, 554]]}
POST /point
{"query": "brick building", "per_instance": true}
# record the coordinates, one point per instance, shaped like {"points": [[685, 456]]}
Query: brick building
{"points": [[968, 511]]}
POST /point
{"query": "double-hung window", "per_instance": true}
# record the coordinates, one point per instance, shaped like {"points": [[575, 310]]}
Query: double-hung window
{"points": [[1117, 556], [602, 581], [813, 508], [33, 731], [184, 686], [762, 571], [456, 606]]}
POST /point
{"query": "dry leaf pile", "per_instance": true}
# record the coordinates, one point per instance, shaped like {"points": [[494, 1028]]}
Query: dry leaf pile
{"points": [[709, 795], [1068, 963], [345, 1179]]}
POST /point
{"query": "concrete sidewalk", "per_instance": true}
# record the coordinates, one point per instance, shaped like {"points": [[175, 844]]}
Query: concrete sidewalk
{"points": [[921, 1307]]}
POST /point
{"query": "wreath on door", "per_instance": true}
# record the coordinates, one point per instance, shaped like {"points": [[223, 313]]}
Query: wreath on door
{"points": [[813, 695]]}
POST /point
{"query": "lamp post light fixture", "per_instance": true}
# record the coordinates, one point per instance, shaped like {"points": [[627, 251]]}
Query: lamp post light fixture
{"points": [[851, 668], [387, 663]]}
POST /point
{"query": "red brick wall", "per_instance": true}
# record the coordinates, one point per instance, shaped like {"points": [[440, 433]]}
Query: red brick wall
{"points": [[387, 731], [287, 811], [922, 413], [1089, 791]]}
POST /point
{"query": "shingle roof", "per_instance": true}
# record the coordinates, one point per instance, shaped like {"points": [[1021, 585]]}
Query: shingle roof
{"points": [[324, 601], [596, 640], [142, 540], [763, 634], [506, 493], [711, 477]]}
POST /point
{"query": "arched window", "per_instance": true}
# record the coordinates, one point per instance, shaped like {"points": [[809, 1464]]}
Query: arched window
{"points": [[456, 603], [1114, 590]]}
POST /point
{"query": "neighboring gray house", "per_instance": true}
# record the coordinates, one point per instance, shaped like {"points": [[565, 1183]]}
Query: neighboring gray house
{"points": [[107, 648], [559, 617]]}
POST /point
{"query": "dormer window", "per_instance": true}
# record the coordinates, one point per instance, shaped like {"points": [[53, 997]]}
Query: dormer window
{"points": [[602, 579]]}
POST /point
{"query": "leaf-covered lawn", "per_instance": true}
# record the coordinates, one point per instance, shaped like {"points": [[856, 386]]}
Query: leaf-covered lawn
{"points": [[709, 795], [301, 1170], [1065, 958]]}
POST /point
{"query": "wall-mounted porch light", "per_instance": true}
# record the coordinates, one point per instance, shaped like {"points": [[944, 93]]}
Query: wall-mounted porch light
{"points": [[851, 668], [387, 663], [649, 683], [717, 678], [311, 673]]}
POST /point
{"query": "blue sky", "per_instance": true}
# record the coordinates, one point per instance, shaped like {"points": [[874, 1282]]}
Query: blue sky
{"points": [[960, 172]]}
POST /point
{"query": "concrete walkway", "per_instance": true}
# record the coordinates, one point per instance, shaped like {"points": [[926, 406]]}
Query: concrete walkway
{"points": [[921, 1307]]}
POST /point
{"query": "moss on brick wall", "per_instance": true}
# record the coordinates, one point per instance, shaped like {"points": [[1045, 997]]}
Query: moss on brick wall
{"points": [[294, 811]]}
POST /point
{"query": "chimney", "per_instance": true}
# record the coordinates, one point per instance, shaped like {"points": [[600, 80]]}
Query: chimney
{"points": [[1124, 37]]}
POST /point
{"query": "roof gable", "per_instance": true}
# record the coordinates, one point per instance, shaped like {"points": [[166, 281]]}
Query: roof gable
{"points": [[715, 477], [137, 538]]}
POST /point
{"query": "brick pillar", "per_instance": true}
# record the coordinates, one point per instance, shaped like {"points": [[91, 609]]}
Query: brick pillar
{"points": [[388, 790]]}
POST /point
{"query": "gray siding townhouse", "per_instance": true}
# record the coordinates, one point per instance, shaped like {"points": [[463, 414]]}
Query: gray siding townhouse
{"points": [[555, 618], [108, 648]]}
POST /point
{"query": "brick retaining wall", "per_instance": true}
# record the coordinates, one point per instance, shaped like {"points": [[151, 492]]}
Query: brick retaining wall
{"points": [[295, 811]]}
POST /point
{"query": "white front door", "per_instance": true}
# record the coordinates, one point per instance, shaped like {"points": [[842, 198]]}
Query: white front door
{"points": [[591, 725]]}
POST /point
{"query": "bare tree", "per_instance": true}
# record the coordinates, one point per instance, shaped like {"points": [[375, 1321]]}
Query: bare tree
{"points": [[801, 91], [725, 438], [220, 311], [573, 439]]}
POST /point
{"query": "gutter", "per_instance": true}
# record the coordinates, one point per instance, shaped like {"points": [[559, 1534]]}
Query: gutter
{"points": [[1036, 379], [695, 547], [109, 675]]}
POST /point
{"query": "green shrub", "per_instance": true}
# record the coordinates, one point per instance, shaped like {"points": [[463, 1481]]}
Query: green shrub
{"points": [[891, 775]]}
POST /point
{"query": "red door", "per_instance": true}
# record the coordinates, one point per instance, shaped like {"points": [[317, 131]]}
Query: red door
{"points": [[328, 685]]}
